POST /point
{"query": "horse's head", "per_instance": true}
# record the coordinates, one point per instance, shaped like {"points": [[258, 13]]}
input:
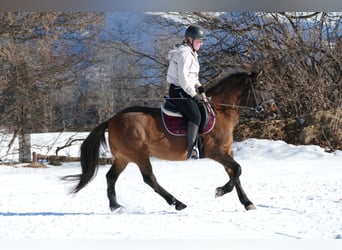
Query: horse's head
{"points": [[260, 97], [245, 92]]}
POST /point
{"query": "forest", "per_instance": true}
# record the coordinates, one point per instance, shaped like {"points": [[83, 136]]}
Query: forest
{"points": [[65, 71]]}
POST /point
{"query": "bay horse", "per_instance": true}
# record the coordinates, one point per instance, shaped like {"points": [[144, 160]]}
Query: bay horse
{"points": [[137, 133]]}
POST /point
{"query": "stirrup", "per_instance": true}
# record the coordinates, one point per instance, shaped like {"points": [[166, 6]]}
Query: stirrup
{"points": [[195, 153]]}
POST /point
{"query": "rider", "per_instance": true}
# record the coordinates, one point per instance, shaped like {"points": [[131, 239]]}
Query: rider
{"points": [[185, 88]]}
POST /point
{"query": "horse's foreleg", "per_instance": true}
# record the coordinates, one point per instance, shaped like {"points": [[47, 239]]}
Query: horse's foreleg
{"points": [[112, 176], [150, 179], [242, 196], [233, 169]]}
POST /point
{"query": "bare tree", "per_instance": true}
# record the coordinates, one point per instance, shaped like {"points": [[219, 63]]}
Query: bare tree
{"points": [[299, 52], [39, 53], [47, 56]]}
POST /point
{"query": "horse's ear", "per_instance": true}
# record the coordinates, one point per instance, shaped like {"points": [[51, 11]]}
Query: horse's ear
{"points": [[261, 72], [247, 67], [256, 75]]}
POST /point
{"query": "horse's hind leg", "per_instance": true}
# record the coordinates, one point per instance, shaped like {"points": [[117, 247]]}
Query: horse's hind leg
{"points": [[150, 179], [118, 166]]}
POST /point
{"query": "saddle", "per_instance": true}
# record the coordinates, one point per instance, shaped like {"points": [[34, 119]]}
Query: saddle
{"points": [[176, 125]]}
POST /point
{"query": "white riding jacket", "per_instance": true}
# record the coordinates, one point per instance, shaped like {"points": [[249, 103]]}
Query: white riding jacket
{"points": [[183, 69]]}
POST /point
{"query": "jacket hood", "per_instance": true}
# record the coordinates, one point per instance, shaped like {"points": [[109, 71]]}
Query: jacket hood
{"points": [[176, 50]]}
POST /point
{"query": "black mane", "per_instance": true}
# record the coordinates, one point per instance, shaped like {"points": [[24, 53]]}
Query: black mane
{"points": [[228, 79]]}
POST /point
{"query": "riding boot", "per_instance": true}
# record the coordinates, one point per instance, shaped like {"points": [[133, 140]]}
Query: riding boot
{"points": [[191, 136]]}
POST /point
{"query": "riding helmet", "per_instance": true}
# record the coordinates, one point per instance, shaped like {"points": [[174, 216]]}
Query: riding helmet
{"points": [[195, 32]]}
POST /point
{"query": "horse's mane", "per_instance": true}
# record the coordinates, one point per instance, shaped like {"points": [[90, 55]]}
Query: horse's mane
{"points": [[226, 80]]}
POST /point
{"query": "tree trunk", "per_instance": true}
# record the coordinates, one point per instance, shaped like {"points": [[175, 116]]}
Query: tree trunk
{"points": [[24, 147]]}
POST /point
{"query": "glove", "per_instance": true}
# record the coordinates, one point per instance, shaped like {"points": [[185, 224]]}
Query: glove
{"points": [[197, 98], [200, 89]]}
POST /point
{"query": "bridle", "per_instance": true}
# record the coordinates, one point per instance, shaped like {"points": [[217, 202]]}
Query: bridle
{"points": [[258, 110]]}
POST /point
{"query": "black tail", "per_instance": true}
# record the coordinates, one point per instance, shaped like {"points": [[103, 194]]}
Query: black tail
{"points": [[90, 150]]}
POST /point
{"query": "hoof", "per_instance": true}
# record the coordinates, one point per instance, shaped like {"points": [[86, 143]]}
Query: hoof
{"points": [[219, 192], [115, 209], [180, 206], [250, 207], [224, 189]]}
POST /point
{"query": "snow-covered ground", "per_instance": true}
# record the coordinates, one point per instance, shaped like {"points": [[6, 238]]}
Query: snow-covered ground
{"points": [[297, 191]]}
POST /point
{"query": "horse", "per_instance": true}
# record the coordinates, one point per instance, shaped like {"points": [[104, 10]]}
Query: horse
{"points": [[137, 133]]}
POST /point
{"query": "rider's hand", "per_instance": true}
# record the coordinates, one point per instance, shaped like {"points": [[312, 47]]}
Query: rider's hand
{"points": [[197, 98], [200, 89]]}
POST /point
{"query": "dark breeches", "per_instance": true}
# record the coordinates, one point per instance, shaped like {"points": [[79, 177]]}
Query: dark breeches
{"points": [[187, 106]]}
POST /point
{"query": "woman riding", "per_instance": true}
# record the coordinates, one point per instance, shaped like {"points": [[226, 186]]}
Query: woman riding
{"points": [[185, 89]]}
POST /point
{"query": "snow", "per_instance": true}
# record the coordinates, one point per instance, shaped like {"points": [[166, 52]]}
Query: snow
{"points": [[297, 191]]}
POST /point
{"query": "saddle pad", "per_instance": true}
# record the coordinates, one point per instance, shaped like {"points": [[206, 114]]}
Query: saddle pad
{"points": [[168, 110], [177, 125]]}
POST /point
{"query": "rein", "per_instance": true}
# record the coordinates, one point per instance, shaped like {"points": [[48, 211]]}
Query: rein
{"points": [[233, 106], [258, 109], [259, 106]]}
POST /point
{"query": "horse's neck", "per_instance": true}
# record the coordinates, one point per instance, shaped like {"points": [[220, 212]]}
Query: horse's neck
{"points": [[230, 90], [231, 115], [231, 96], [224, 96]]}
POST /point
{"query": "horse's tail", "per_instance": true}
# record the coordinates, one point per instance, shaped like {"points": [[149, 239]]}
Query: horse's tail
{"points": [[90, 150]]}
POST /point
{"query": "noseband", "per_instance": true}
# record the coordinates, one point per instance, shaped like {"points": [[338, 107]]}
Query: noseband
{"points": [[259, 108]]}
